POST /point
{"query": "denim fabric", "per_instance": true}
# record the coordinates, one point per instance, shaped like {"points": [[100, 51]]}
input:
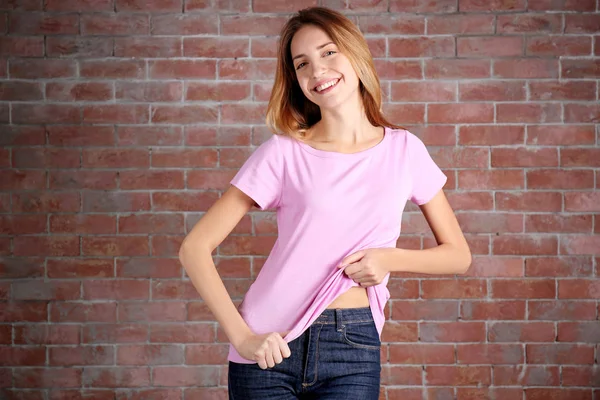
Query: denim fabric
{"points": [[338, 357]]}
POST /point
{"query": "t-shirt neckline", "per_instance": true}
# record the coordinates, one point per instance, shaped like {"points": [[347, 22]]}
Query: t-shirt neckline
{"points": [[331, 154]]}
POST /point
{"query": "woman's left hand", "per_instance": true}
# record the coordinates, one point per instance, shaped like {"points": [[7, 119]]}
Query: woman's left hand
{"points": [[366, 267]]}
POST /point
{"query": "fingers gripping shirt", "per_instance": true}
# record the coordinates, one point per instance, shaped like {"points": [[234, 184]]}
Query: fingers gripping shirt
{"points": [[329, 205]]}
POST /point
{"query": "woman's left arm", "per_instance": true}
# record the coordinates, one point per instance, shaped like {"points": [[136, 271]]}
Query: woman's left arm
{"points": [[451, 256]]}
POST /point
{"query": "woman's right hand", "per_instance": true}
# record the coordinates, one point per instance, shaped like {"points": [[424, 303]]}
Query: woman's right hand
{"points": [[267, 349]]}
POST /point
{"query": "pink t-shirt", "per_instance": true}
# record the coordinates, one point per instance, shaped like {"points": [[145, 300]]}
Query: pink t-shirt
{"points": [[329, 205]]}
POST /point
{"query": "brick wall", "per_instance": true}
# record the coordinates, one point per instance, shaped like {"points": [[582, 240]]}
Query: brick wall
{"points": [[123, 121]]}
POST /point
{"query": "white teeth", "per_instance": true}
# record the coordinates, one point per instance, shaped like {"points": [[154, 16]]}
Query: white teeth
{"points": [[326, 85]]}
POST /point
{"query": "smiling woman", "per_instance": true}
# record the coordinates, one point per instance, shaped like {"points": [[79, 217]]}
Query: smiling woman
{"points": [[339, 174]]}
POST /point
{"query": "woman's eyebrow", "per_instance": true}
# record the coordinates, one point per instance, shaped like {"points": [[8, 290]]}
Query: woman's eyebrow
{"points": [[318, 48]]}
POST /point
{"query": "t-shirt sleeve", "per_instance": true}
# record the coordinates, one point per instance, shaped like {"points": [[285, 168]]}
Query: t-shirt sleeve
{"points": [[427, 177], [260, 177]]}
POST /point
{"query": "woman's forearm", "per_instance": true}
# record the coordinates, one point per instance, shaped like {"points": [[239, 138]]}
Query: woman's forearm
{"points": [[442, 259], [201, 269]]}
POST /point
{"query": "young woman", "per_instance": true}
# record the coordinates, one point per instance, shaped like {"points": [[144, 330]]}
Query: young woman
{"points": [[338, 174]]}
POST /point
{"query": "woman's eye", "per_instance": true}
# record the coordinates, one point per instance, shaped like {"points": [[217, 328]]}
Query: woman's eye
{"points": [[329, 51], [300, 66]]}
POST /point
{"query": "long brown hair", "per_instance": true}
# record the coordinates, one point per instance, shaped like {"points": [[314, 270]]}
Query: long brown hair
{"points": [[289, 111]]}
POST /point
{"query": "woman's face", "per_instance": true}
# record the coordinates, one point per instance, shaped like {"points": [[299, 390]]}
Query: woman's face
{"points": [[324, 74]]}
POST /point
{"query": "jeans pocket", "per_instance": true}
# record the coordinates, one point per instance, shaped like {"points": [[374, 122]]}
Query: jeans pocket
{"points": [[362, 335]]}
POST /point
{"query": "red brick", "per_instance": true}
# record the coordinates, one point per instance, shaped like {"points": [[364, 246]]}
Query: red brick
{"points": [[561, 266], [528, 112], [182, 69], [494, 5], [80, 136], [22, 46], [526, 375], [489, 46], [79, 5], [141, 47], [116, 377], [47, 377], [40, 290], [561, 91], [115, 158], [582, 23], [561, 310], [46, 158], [83, 312], [524, 289], [581, 69], [559, 353], [421, 353], [46, 202], [62, 246], [559, 46], [560, 135], [80, 268], [23, 224], [115, 201], [453, 289], [489, 135], [150, 135], [460, 113], [193, 201], [460, 24], [247, 69], [30, 311], [395, 70], [113, 69], [152, 311], [449, 332], [280, 6], [251, 25], [526, 68], [580, 375], [458, 375], [194, 158], [162, 354], [238, 113], [81, 91], [491, 310], [559, 179], [186, 114], [149, 91], [45, 114], [579, 113], [80, 179], [42, 334], [582, 201], [43, 24], [215, 47], [182, 333], [23, 180], [558, 223], [580, 157], [492, 179], [400, 332], [435, 46], [424, 310], [88, 355], [184, 24], [392, 24], [580, 244], [115, 24], [206, 354], [40, 69], [522, 332], [406, 113], [489, 354], [492, 91], [401, 375], [114, 333], [186, 376], [578, 331], [563, 5], [529, 23], [488, 266], [115, 246], [218, 6], [145, 5], [149, 268], [524, 157], [80, 47], [426, 6]]}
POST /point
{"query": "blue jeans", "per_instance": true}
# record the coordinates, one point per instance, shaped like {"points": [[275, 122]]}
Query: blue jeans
{"points": [[338, 357]]}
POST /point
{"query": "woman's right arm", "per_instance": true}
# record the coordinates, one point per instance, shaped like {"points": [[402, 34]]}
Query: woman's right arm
{"points": [[195, 255]]}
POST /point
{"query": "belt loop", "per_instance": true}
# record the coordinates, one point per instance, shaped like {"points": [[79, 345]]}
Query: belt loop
{"points": [[338, 320]]}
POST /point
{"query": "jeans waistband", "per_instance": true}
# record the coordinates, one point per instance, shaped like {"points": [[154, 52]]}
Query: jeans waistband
{"points": [[341, 316]]}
